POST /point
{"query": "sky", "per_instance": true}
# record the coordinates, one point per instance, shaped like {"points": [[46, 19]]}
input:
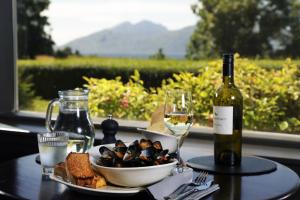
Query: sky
{"points": [[71, 19]]}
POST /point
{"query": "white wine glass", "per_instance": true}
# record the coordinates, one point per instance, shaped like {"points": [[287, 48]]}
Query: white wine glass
{"points": [[178, 118]]}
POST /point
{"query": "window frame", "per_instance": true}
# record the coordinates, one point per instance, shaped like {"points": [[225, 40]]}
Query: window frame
{"points": [[8, 57]]}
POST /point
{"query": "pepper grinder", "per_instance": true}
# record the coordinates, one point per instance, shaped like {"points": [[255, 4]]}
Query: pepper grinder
{"points": [[109, 129]]}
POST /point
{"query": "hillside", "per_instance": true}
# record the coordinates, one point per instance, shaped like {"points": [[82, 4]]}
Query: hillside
{"points": [[134, 40]]}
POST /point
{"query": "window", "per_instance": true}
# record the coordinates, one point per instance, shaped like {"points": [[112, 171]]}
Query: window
{"points": [[272, 111]]}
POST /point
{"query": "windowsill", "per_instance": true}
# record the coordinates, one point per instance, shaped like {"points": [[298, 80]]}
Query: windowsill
{"points": [[202, 132], [267, 144]]}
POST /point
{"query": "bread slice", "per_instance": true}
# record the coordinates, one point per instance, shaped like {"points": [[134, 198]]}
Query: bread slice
{"points": [[98, 182], [79, 169], [60, 170]]}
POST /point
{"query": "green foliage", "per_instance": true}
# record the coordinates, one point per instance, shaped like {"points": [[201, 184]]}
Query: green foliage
{"points": [[271, 97], [38, 105], [65, 52], [247, 26], [26, 93], [158, 55], [121, 100], [32, 38], [53, 72]]}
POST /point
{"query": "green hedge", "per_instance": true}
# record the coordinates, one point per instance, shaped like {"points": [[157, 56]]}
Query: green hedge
{"points": [[271, 96], [50, 75]]}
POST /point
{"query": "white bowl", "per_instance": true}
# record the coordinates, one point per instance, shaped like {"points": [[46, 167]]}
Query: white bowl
{"points": [[167, 141], [130, 176]]}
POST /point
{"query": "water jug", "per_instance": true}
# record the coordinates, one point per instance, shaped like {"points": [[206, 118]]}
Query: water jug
{"points": [[74, 118]]}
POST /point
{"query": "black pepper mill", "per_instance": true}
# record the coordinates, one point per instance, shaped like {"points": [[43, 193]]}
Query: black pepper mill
{"points": [[109, 129]]}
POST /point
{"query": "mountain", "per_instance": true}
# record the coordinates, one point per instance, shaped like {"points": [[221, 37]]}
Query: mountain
{"points": [[134, 40]]}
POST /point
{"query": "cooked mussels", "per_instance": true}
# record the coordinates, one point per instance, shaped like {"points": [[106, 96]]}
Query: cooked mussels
{"points": [[137, 154]]}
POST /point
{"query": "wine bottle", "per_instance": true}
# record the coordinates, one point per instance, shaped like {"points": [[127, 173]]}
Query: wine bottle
{"points": [[228, 115]]}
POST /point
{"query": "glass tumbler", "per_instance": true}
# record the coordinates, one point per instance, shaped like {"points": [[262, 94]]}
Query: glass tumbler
{"points": [[53, 149]]}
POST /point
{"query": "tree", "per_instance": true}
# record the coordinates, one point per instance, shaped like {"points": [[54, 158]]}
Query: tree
{"points": [[250, 27], [293, 45], [159, 55], [65, 52], [32, 38], [77, 52]]}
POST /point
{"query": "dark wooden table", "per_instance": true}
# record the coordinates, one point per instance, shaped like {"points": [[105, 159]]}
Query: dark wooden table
{"points": [[21, 179]]}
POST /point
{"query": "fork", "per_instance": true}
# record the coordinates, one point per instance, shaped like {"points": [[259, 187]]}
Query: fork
{"points": [[200, 188], [196, 194], [199, 180]]}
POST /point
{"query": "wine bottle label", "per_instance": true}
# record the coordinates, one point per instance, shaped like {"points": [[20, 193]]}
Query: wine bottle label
{"points": [[223, 120]]}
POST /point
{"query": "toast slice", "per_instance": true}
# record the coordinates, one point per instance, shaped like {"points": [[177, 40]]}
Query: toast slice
{"points": [[79, 169], [60, 170]]}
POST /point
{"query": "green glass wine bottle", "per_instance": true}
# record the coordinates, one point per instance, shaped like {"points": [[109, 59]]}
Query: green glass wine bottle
{"points": [[228, 118]]}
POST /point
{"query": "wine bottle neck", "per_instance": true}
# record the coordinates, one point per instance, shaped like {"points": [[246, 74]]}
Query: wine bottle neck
{"points": [[228, 67], [228, 73]]}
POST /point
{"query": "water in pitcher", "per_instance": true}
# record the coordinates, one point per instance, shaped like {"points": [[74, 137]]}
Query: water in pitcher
{"points": [[74, 118], [79, 126]]}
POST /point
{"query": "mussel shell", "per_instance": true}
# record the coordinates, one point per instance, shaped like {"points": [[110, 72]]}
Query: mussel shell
{"points": [[137, 154], [157, 145], [172, 156], [147, 154], [133, 162], [118, 163], [162, 157], [133, 151], [120, 143], [106, 152], [163, 153], [107, 162], [120, 151], [145, 143]]}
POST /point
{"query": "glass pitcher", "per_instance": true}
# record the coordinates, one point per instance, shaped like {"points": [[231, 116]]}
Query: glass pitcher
{"points": [[74, 118]]}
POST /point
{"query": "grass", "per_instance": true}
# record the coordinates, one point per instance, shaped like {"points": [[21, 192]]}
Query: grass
{"points": [[135, 63], [113, 63]]}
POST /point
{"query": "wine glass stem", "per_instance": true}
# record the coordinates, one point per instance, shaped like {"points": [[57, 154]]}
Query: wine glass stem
{"points": [[180, 164]]}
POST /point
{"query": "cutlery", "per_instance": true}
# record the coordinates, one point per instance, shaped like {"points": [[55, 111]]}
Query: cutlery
{"points": [[199, 189], [199, 180], [200, 194]]}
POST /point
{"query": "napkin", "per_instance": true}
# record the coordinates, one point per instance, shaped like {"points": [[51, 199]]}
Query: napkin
{"points": [[157, 121], [165, 187]]}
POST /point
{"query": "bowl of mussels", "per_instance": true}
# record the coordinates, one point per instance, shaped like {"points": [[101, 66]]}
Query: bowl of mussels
{"points": [[135, 164]]}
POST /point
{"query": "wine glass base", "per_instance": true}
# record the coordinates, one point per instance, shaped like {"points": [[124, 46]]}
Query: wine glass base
{"points": [[181, 169]]}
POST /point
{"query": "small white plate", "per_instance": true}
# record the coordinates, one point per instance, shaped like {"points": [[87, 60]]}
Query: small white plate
{"points": [[107, 190]]}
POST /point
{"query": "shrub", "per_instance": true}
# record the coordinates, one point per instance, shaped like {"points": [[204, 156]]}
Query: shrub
{"points": [[26, 94], [122, 100], [271, 96], [53, 72], [159, 55]]}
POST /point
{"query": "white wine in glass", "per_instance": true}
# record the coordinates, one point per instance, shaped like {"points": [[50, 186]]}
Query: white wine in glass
{"points": [[178, 117], [178, 123]]}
